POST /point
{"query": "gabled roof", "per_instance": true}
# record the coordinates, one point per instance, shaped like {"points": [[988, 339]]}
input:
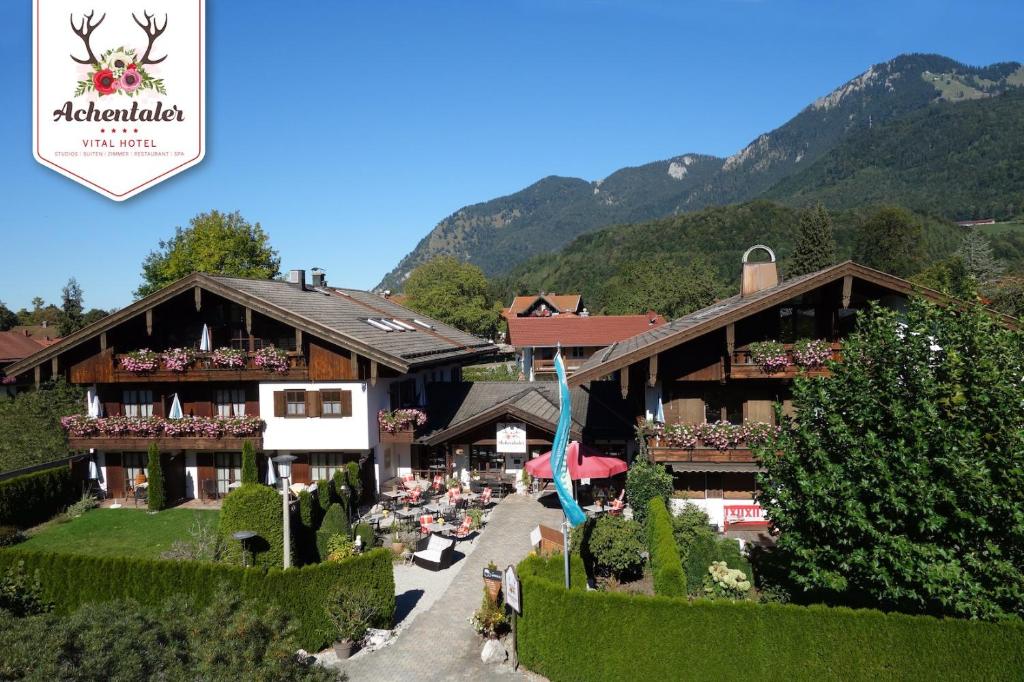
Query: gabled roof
{"points": [[559, 303], [15, 345], [335, 315], [458, 408], [594, 330], [718, 315]]}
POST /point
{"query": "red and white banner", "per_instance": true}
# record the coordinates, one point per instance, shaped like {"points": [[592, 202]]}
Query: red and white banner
{"points": [[119, 91], [743, 513]]}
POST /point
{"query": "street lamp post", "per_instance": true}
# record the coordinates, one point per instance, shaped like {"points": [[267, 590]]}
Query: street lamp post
{"points": [[284, 470]]}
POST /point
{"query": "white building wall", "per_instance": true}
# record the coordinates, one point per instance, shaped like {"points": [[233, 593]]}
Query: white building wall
{"points": [[302, 434], [712, 506]]}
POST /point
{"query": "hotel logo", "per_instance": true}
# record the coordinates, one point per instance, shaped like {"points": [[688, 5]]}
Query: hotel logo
{"points": [[119, 92]]}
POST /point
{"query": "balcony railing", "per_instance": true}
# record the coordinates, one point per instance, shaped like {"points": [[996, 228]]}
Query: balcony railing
{"points": [[546, 366], [743, 366], [204, 368]]}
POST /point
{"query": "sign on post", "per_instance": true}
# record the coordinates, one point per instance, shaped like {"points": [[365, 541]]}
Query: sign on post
{"points": [[510, 585]]}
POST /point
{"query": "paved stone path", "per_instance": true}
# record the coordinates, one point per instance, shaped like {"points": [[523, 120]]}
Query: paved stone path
{"points": [[440, 644]]}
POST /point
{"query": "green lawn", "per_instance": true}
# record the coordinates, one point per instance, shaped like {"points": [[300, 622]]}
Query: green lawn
{"points": [[118, 532]]}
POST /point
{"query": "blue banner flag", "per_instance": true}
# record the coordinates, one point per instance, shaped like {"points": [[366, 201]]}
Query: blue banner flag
{"points": [[559, 464]]}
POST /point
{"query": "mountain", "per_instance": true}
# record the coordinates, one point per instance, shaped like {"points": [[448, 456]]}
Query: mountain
{"points": [[593, 264], [498, 234]]}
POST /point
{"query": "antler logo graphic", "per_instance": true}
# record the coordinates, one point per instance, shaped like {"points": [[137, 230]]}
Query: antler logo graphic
{"points": [[119, 70]]}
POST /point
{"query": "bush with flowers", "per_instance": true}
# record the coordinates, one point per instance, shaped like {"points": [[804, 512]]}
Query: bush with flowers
{"points": [[232, 358], [723, 582], [80, 426], [719, 435], [178, 359], [812, 352], [118, 71], [770, 355], [394, 421], [140, 361], [272, 359]]}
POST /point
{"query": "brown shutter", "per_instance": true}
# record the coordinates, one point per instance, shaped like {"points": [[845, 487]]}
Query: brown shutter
{"points": [[280, 406], [301, 471], [346, 403], [759, 411], [312, 403], [691, 410]]}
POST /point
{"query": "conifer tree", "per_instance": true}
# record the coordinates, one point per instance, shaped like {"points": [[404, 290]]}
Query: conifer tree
{"points": [[815, 244], [156, 496], [250, 473]]}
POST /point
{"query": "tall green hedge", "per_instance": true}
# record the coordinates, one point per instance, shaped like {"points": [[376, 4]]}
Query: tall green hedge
{"points": [[28, 500], [156, 495], [250, 472], [257, 508], [669, 579], [69, 581], [579, 635]]}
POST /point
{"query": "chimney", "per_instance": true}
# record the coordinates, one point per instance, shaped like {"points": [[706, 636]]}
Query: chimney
{"points": [[386, 293], [319, 278], [297, 278], [758, 276]]}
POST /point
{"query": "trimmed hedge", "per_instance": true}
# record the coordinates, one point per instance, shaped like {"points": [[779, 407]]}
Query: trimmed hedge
{"points": [[332, 524], [669, 579], [70, 581], [250, 472], [577, 635], [29, 500], [156, 497], [254, 507]]}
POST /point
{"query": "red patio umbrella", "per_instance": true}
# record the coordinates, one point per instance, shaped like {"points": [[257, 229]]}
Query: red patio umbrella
{"points": [[584, 462]]}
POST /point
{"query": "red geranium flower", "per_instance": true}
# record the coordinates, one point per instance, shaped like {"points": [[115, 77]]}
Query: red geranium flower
{"points": [[103, 81]]}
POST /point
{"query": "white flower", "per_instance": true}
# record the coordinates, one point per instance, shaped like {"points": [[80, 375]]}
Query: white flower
{"points": [[119, 60]]}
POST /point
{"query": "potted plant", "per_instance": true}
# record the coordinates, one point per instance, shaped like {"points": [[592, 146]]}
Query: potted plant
{"points": [[351, 611], [492, 581], [397, 544], [489, 620], [770, 355]]}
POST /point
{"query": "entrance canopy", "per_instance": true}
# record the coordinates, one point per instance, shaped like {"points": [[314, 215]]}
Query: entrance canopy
{"points": [[583, 461]]}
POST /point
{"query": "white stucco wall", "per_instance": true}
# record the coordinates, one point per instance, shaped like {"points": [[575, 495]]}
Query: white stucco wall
{"points": [[317, 433], [713, 506]]}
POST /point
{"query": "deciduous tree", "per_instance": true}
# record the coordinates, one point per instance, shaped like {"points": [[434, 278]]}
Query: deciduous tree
{"points": [[453, 292], [663, 285], [900, 481], [214, 242], [890, 241]]}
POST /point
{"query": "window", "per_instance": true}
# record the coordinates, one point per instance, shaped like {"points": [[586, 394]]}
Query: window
{"points": [[331, 403], [797, 322], [324, 464], [229, 470], [721, 407], [133, 463], [138, 403], [295, 403], [240, 339], [403, 394], [230, 402], [486, 458]]}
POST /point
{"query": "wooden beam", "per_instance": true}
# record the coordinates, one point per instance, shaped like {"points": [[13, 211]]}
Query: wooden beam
{"points": [[38, 375], [103, 341], [373, 372], [847, 290], [730, 338], [624, 381], [652, 370], [248, 320], [298, 339], [199, 298], [53, 367], [149, 322]]}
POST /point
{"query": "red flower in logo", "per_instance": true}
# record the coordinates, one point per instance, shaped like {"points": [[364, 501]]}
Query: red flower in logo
{"points": [[103, 80]]}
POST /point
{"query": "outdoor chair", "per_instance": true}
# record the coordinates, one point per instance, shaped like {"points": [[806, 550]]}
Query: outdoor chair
{"points": [[210, 490], [466, 529], [438, 483], [618, 504], [434, 553], [485, 497], [142, 494], [425, 522]]}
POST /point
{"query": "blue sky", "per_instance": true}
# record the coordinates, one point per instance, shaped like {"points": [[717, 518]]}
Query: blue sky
{"points": [[350, 129]]}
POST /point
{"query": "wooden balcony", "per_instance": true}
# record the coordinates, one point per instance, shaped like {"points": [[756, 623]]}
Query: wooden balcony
{"points": [[700, 454], [204, 370], [741, 366], [165, 443], [544, 366], [404, 435]]}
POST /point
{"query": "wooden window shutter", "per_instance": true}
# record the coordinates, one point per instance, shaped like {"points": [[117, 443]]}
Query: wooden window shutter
{"points": [[346, 403], [759, 411], [312, 403], [691, 410], [280, 406]]}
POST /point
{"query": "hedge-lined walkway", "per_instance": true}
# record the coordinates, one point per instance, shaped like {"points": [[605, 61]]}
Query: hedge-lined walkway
{"points": [[441, 644]]}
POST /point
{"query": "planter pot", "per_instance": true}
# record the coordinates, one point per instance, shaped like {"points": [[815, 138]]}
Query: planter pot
{"points": [[493, 588], [344, 649], [397, 548]]}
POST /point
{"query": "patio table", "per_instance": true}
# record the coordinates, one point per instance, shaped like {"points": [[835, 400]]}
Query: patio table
{"points": [[406, 513], [437, 508], [442, 528], [595, 509]]}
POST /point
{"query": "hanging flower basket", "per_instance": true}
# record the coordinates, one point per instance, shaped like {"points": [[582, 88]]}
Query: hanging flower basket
{"points": [[271, 359], [719, 435], [770, 355], [394, 421], [812, 352], [178, 359], [140, 361], [81, 426], [231, 358]]}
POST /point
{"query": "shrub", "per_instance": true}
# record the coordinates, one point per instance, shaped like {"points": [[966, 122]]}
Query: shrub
{"points": [[704, 551], [616, 545], [351, 612], [477, 515], [689, 525], [305, 530], [69, 581], [21, 594], [645, 481], [339, 547], [334, 523], [257, 508], [365, 532], [354, 480], [489, 620], [9, 535], [250, 472], [28, 500], [669, 579], [743, 640], [723, 582], [204, 544], [155, 493], [84, 504]]}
